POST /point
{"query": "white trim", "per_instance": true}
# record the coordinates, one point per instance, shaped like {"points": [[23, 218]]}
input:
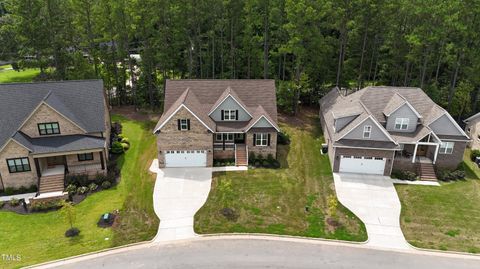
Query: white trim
{"points": [[175, 112], [263, 116], [348, 147], [41, 155], [446, 148], [229, 94], [230, 114], [263, 136], [367, 129], [376, 123], [401, 122], [451, 120], [181, 125], [12, 139], [409, 105], [436, 153]]}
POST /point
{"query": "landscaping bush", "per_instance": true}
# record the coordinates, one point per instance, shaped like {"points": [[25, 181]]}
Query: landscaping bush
{"points": [[12, 191], [229, 214], [78, 180], [224, 162], [2, 203], [100, 178], [283, 139], [117, 148], [71, 189], [72, 232], [125, 140], [92, 187], [106, 185], [9, 191], [447, 175], [116, 129], [45, 206], [474, 154], [251, 157], [82, 190], [14, 202], [125, 146], [404, 175]]}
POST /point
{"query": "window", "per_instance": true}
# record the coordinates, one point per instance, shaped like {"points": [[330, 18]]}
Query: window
{"points": [[48, 128], [85, 157], [367, 131], [446, 147], [229, 115], [183, 124], [401, 123], [218, 137], [261, 139], [18, 165], [228, 137]]}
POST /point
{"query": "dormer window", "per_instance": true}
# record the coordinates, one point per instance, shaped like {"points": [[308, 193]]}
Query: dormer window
{"points": [[401, 123], [48, 128], [230, 114], [367, 131]]}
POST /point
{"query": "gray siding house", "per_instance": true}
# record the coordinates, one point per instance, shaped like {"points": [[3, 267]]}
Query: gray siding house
{"points": [[378, 129]]}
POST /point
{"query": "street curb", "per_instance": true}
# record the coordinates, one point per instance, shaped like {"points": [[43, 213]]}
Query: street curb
{"points": [[445, 252]]}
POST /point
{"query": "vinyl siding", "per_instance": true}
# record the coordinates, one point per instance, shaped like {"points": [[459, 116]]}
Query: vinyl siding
{"points": [[444, 126], [230, 103], [403, 112], [342, 122], [376, 134]]}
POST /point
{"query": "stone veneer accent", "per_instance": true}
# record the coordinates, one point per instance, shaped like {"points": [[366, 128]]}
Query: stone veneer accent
{"points": [[389, 154], [16, 180], [45, 114], [197, 138]]}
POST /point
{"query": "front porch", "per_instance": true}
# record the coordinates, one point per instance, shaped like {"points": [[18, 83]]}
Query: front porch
{"points": [[419, 158], [231, 146]]}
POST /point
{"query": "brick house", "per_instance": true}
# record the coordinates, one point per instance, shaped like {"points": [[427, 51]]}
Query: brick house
{"points": [[216, 119], [378, 129], [50, 129], [472, 128]]}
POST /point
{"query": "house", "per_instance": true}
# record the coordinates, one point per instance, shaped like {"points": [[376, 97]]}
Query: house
{"points": [[216, 119], [472, 128], [50, 129], [378, 129]]}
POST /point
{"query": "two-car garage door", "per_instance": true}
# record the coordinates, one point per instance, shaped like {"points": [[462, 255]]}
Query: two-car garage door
{"points": [[185, 158], [362, 164]]}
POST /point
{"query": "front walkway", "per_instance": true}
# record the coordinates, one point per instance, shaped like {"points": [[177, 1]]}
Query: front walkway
{"points": [[375, 201], [179, 193]]}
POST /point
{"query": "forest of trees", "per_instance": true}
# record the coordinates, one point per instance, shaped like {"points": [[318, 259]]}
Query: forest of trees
{"points": [[307, 46]]}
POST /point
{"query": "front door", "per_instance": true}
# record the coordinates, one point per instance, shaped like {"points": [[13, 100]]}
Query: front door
{"points": [[240, 138], [422, 150], [56, 160]]}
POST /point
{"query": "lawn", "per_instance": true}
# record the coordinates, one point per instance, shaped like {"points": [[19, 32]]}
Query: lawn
{"points": [[446, 217], [9, 76], [40, 237], [291, 200]]}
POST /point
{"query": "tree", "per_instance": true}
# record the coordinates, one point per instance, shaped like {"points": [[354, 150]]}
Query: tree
{"points": [[69, 213]]}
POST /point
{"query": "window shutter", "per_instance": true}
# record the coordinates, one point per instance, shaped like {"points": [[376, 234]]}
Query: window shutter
{"points": [[188, 124], [268, 141], [236, 114], [254, 139], [223, 115], [178, 124]]}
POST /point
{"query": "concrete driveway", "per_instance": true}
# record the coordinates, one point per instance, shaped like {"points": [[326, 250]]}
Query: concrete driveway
{"points": [[375, 201], [179, 193]]}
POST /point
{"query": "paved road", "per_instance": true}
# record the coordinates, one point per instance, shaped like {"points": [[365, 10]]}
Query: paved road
{"points": [[375, 201], [264, 253], [178, 194]]}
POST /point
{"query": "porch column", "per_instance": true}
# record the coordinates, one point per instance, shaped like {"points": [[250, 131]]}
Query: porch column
{"points": [[102, 159], [436, 153], [415, 153]]}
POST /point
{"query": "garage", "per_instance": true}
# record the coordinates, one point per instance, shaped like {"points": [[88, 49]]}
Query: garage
{"points": [[362, 165], [185, 158]]}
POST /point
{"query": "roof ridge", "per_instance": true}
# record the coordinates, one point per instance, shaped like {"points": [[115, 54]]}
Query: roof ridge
{"points": [[50, 82]]}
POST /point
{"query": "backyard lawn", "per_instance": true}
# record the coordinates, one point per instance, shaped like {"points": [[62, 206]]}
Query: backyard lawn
{"points": [[9, 75], [446, 217], [40, 237], [291, 200]]}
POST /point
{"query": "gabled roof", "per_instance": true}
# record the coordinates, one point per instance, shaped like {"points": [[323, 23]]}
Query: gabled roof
{"points": [[81, 102], [259, 114], [202, 97]]}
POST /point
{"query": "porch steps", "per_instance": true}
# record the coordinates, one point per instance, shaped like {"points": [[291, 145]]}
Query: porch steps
{"points": [[241, 155], [427, 172], [53, 183]]}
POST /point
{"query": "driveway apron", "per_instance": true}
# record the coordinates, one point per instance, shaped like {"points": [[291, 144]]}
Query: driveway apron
{"points": [[375, 201], [179, 193]]}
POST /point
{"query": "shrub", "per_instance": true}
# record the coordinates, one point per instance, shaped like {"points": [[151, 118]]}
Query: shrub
{"points": [[32, 188], [332, 204], [125, 140], [266, 163], [100, 178], [78, 180], [2, 203], [447, 175], [71, 189], [9, 191], [117, 148], [251, 157], [125, 146], [404, 175], [283, 139], [82, 190], [106, 185], [120, 137], [92, 187], [275, 164], [72, 232], [116, 128], [47, 205], [260, 157], [14, 202], [474, 154]]}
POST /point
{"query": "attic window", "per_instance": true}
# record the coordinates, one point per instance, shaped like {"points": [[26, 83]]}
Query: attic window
{"points": [[401, 123], [230, 114], [367, 131], [48, 128]]}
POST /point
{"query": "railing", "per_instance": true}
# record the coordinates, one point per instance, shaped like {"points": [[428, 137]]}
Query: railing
{"points": [[227, 146], [246, 150], [235, 154]]}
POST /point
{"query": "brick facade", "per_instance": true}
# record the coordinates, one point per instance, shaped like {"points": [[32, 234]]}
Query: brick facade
{"points": [[16, 180], [263, 150], [388, 154], [451, 161], [45, 114], [197, 138]]}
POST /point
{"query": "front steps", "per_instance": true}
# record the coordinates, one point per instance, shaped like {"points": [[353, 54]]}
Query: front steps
{"points": [[52, 183], [426, 171], [241, 158]]}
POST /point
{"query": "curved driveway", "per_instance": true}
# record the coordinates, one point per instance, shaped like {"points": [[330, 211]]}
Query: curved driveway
{"points": [[178, 194]]}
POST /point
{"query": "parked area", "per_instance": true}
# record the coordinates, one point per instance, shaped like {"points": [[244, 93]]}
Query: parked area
{"points": [[40, 237], [446, 217], [297, 199]]}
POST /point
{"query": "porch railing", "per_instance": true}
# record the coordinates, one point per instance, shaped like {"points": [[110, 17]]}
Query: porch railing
{"points": [[235, 154]]}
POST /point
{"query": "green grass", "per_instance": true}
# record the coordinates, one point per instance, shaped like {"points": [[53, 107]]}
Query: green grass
{"points": [[40, 237], [9, 76], [274, 201], [446, 217]]}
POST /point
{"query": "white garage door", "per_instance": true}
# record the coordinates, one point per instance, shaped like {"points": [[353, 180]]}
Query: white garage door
{"points": [[185, 158], [361, 164]]}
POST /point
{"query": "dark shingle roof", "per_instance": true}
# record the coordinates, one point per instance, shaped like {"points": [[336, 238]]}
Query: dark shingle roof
{"points": [[81, 101], [55, 144]]}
